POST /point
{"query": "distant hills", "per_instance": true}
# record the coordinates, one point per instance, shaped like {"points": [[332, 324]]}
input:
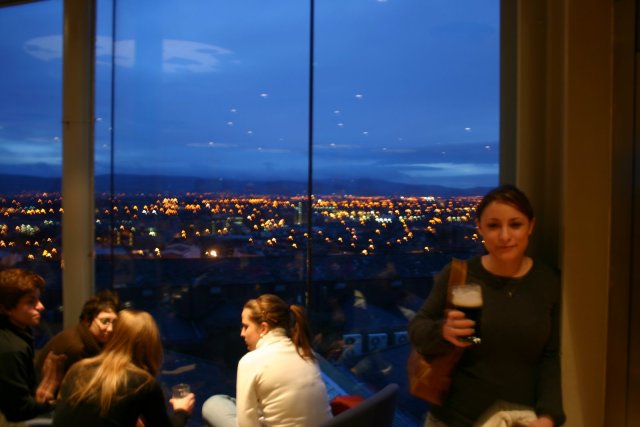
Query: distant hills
{"points": [[135, 184]]}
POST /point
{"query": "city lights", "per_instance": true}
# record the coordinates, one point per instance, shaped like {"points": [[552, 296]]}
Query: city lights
{"points": [[246, 226]]}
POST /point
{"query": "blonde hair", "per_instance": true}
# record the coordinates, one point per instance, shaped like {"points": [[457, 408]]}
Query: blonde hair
{"points": [[134, 349], [272, 310]]}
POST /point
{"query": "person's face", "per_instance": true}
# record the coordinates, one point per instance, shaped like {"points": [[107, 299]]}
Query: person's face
{"points": [[102, 326], [27, 312], [251, 330], [505, 231]]}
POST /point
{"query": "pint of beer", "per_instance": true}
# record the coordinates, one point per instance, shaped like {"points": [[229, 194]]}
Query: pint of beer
{"points": [[468, 299]]}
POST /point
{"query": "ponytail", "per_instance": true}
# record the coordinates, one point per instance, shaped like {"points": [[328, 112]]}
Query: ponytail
{"points": [[276, 313], [300, 334]]}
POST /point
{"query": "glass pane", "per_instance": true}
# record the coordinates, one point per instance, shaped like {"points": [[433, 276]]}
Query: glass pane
{"points": [[405, 139], [201, 163], [31, 147]]}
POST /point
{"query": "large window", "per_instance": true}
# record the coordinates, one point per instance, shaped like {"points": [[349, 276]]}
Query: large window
{"points": [[31, 146], [405, 120], [242, 148]]}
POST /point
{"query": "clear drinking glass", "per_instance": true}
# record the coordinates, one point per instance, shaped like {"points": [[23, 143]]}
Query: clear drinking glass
{"points": [[180, 390]]}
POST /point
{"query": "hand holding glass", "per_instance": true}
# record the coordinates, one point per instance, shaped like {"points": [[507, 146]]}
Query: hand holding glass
{"points": [[468, 299], [180, 390]]}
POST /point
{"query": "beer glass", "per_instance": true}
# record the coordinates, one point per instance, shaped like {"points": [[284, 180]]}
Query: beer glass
{"points": [[468, 299]]}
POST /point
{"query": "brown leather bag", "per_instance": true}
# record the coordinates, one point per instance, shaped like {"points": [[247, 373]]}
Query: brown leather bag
{"points": [[430, 379]]}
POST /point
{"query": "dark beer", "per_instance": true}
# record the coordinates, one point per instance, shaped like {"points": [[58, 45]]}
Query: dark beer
{"points": [[468, 299]]}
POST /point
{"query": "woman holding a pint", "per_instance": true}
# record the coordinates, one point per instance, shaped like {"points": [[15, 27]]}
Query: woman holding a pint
{"points": [[510, 368]]}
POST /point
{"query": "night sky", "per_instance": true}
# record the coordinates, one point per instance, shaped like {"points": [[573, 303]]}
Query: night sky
{"points": [[404, 90]]}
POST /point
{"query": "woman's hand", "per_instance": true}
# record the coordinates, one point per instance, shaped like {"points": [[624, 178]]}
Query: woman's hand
{"points": [[184, 403], [457, 326], [542, 422]]}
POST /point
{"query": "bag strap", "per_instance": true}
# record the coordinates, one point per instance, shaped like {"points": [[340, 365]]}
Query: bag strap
{"points": [[457, 276]]}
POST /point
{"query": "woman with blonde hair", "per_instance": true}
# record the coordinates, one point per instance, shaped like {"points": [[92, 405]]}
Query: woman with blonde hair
{"points": [[119, 386], [279, 381]]}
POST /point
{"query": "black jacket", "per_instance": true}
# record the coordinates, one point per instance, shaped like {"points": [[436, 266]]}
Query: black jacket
{"points": [[17, 374]]}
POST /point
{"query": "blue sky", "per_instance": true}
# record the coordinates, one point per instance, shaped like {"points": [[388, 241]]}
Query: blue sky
{"points": [[405, 90]]}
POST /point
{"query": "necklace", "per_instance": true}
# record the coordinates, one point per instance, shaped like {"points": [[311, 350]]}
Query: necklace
{"points": [[511, 287]]}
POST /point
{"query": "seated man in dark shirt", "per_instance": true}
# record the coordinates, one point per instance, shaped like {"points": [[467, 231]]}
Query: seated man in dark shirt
{"points": [[20, 307]]}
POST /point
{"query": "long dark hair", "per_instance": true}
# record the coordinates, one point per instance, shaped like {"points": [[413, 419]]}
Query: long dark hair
{"points": [[276, 313]]}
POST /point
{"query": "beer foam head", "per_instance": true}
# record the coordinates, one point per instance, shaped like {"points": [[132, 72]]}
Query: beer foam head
{"points": [[467, 296]]}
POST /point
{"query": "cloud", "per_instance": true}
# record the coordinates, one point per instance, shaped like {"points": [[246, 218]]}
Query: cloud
{"points": [[271, 150], [46, 48], [184, 55], [30, 146], [177, 55], [398, 150], [19, 155], [332, 146], [125, 52], [434, 170]]}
